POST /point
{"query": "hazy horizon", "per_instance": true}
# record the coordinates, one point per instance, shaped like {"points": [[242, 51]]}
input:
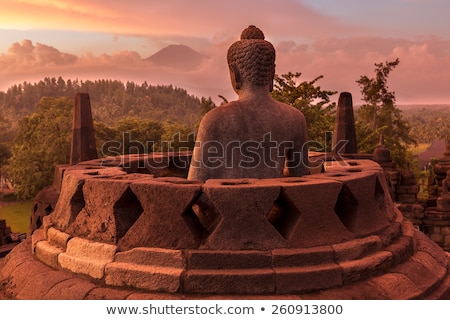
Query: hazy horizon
{"points": [[342, 41]]}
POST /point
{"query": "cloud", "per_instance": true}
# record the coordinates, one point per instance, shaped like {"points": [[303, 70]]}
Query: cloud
{"points": [[421, 76], [286, 18], [25, 55]]}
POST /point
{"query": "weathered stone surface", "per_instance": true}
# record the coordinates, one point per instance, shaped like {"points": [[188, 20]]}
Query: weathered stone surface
{"points": [[396, 286], [115, 211], [87, 257], [83, 137], [58, 238], [243, 206], [21, 276], [152, 256], [306, 217], [424, 244], [401, 250], [71, 200], [41, 284], [366, 267], [44, 204], [231, 281], [300, 279], [344, 127], [70, 289], [38, 235], [151, 278], [224, 259], [356, 249], [167, 220], [362, 204], [48, 253], [303, 256], [102, 293]]}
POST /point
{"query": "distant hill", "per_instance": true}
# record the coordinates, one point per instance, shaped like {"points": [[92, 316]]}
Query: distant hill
{"points": [[177, 56], [420, 106]]}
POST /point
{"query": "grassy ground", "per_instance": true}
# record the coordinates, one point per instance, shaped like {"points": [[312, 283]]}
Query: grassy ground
{"points": [[17, 215]]}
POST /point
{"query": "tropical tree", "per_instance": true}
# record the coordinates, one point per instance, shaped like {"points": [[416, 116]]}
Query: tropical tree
{"points": [[311, 100], [380, 116], [42, 141]]}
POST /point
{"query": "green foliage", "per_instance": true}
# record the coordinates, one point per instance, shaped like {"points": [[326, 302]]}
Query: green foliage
{"points": [[380, 115], [430, 123], [42, 141], [311, 100], [110, 99]]}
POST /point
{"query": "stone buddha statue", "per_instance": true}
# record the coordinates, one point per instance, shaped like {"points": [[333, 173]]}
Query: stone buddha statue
{"points": [[254, 136]]}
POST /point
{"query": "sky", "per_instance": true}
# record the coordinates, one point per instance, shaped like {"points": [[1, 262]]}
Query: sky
{"points": [[338, 39]]}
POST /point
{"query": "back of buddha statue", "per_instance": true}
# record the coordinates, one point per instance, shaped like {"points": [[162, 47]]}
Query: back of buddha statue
{"points": [[254, 136]]}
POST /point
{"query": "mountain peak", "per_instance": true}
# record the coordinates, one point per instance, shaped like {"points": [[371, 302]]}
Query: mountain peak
{"points": [[177, 56]]}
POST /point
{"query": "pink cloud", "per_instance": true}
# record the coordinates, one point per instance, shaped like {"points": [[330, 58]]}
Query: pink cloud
{"points": [[421, 77]]}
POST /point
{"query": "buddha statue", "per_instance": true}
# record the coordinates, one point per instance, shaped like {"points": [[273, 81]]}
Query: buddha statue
{"points": [[254, 136]]}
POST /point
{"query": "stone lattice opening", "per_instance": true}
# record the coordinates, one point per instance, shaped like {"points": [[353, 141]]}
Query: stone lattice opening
{"points": [[346, 208], [380, 195], [284, 215], [48, 209], [193, 223], [201, 217], [77, 202], [126, 211]]}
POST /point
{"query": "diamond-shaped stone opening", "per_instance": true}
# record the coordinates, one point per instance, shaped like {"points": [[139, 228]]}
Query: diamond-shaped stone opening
{"points": [[346, 208], [283, 215], [77, 202], [48, 209], [380, 195], [193, 223], [205, 213], [126, 211]]}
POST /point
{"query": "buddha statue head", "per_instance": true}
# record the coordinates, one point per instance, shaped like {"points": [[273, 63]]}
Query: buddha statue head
{"points": [[251, 60]]}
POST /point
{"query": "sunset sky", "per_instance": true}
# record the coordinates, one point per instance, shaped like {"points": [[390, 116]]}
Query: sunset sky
{"points": [[339, 39]]}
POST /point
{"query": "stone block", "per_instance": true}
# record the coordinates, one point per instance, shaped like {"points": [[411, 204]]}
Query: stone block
{"points": [[231, 281], [300, 279], [431, 264], [115, 211], [316, 222], [302, 256], [356, 249], [168, 220], [152, 256], [402, 249], [47, 253], [58, 238], [71, 200], [363, 204], [87, 257], [396, 286], [227, 259], [375, 264], [242, 207], [151, 278], [37, 236]]}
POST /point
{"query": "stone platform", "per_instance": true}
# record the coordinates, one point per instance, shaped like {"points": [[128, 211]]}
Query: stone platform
{"points": [[122, 230]]}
